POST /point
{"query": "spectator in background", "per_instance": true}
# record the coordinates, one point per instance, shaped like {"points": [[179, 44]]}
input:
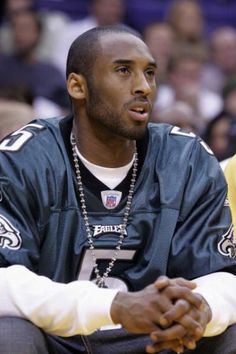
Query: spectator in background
{"points": [[102, 13], [159, 37], [184, 74], [229, 96], [221, 135], [188, 23], [16, 108], [52, 22], [16, 92], [16, 5], [14, 115], [221, 131], [179, 114], [222, 60], [45, 81]]}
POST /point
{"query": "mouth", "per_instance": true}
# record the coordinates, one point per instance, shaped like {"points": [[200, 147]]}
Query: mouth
{"points": [[139, 111]]}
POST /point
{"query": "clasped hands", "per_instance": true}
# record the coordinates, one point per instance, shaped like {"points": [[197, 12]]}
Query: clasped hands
{"points": [[168, 310]]}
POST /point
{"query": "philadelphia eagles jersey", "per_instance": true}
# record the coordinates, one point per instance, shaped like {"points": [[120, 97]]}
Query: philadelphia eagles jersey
{"points": [[179, 222]]}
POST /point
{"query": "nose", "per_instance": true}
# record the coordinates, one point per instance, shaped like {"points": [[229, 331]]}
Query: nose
{"points": [[141, 85]]}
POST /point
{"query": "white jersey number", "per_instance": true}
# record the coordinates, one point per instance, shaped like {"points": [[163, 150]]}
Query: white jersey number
{"points": [[88, 266], [17, 139], [178, 131]]}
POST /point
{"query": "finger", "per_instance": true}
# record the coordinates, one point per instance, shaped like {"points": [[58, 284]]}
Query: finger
{"points": [[192, 321], [176, 331], [180, 292], [193, 325], [189, 342], [187, 283], [162, 302], [174, 345], [179, 309], [162, 282]]}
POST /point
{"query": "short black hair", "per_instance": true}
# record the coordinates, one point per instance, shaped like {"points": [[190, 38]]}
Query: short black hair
{"points": [[84, 50]]}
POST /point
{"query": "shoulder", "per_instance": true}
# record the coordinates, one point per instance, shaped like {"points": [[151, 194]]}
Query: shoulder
{"points": [[172, 137], [184, 154], [38, 139], [34, 158]]}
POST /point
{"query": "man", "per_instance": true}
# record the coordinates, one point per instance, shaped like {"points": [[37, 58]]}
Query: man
{"points": [[97, 207]]}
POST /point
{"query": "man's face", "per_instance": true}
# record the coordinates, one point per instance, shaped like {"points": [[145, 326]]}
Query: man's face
{"points": [[122, 89], [26, 32], [108, 12]]}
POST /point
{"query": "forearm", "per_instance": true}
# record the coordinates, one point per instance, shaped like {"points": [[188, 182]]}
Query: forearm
{"points": [[79, 307], [219, 291]]}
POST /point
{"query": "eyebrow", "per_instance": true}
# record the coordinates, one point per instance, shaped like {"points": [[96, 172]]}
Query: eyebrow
{"points": [[129, 62]]}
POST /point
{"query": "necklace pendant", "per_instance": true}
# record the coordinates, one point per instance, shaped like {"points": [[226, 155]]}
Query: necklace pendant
{"points": [[101, 283]]}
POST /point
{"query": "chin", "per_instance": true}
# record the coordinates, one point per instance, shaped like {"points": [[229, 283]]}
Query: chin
{"points": [[136, 133]]}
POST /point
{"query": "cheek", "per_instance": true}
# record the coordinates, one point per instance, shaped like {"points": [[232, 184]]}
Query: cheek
{"points": [[114, 96]]}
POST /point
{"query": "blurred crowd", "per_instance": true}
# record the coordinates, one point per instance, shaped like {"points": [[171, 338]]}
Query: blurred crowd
{"points": [[196, 68]]}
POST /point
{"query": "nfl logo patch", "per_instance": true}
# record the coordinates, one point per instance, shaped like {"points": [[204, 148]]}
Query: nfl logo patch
{"points": [[111, 198]]}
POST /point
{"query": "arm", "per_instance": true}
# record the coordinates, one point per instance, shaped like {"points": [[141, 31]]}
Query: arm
{"points": [[202, 239], [79, 307], [28, 194], [203, 242], [219, 290]]}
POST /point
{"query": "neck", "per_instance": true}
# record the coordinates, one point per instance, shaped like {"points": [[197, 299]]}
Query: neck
{"points": [[103, 151]]}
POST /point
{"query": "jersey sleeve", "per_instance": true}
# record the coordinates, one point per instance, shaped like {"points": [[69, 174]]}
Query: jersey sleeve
{"points": [[24, 191], [203, 241]]}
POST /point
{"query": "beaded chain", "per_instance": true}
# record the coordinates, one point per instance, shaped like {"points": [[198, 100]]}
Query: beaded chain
{"points": [[101, 279]]}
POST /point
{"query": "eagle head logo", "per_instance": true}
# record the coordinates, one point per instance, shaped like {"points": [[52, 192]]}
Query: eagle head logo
{"points": [[9, 235], [227, 244]]}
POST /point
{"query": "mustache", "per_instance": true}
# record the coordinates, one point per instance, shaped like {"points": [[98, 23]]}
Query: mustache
{"points": [[139, 99]]}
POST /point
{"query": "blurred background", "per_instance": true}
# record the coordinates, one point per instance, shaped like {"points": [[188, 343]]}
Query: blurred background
{"points": [[193, 42]]}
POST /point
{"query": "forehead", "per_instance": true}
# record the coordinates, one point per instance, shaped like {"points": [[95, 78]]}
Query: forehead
{"points": [[123, 46]]}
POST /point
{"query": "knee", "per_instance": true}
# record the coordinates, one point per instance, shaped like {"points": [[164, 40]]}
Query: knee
{"points": [[19, 336]]}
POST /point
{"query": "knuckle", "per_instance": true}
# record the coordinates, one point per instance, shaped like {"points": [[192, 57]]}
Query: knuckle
{"points": [[183, 304]]}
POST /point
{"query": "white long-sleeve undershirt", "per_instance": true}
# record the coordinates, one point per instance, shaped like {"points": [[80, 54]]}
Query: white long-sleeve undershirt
{"points": [[80, 307], [219, 290]]}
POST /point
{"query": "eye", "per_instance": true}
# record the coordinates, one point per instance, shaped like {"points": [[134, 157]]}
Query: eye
{"points": [[151, 73], [123, 70]]}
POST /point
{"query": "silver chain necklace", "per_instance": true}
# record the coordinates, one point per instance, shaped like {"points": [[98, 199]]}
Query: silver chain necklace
{"points": [[101, 279]]}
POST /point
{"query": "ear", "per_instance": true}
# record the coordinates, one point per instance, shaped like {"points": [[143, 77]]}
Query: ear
{"points": [[77, 86]]}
